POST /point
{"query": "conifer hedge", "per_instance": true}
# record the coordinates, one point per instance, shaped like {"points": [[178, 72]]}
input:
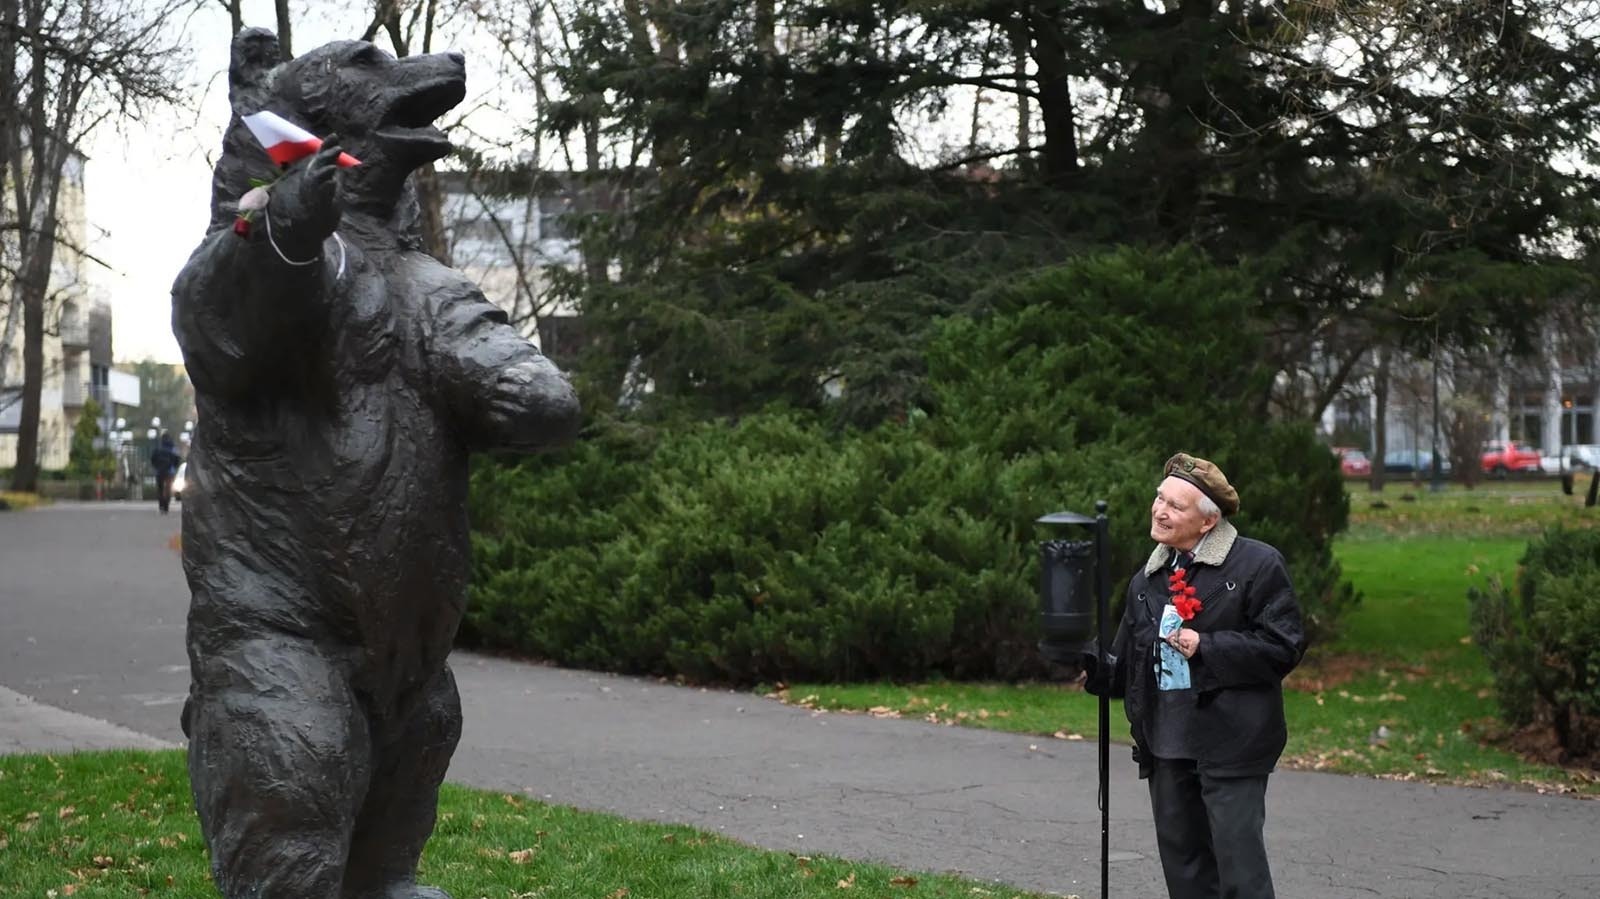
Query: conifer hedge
{"points": [[777, 547]]}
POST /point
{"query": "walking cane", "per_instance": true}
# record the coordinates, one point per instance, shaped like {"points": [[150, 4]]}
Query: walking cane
{"points": [[1102, 589]]}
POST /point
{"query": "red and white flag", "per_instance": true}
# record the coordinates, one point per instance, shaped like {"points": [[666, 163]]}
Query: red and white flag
{"points": [[287, 142]]}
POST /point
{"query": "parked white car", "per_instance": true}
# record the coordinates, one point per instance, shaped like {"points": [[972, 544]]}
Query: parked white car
{"points": [[1579, 457]]}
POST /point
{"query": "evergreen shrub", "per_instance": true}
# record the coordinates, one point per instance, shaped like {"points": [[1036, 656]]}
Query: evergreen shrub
{"points": [[777, 547], [1543, 642], [83, 458]]}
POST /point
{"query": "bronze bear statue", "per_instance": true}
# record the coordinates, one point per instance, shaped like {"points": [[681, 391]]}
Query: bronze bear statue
{"points": [[342, 377]]}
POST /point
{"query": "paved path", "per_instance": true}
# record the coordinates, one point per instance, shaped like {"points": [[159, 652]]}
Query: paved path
{"points": [[91, 626]]}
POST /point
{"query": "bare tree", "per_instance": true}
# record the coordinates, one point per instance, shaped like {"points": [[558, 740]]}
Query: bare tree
{"points": [[1467, 411], [1380, 417], [65, 69], [236, 17], [409, 25], [535, 44]]}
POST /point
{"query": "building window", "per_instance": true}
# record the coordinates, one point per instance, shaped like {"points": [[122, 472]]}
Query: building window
{"points": [[1527, 427], [554, 218]]}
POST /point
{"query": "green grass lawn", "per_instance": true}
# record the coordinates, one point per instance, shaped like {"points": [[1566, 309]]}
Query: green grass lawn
{"points": [[1402, 693], [1511, 508], [120, 824]]}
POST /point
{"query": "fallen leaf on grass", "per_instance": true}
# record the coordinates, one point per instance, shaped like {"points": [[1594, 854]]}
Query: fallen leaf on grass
{"points": [[1064, 735], [903, 881], [618, 893], [521, 856], [104, 861], [848, 882]]}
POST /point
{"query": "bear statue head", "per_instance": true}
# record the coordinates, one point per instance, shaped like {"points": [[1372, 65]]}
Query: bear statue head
{"points": [[380, 109]]}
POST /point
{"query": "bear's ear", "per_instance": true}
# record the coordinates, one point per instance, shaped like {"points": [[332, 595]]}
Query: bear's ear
{"points": [[255, 54]]}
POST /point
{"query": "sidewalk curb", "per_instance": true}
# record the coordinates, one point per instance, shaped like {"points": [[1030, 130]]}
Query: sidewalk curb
{"points": [[27, 726]]}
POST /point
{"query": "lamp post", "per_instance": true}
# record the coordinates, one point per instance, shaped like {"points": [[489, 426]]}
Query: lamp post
{"points": [[1069, 571]]}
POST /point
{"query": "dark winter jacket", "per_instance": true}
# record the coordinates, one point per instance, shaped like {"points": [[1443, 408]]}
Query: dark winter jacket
{"points": [[1250, 639]]}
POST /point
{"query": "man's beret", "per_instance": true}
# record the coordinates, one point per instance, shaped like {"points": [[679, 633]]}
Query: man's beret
{"points": [[1208, 477]]}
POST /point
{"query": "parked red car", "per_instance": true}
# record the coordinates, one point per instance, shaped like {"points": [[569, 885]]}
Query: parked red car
{"points": [[1501, 459], [1353, 462]]}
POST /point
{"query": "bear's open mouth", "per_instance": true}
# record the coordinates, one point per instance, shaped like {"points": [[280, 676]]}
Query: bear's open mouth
{"points": [[410, 118]]}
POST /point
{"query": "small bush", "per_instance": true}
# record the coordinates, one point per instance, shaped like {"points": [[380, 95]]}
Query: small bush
{"points": [[84, 460], [9, 500], [1543, 643]]}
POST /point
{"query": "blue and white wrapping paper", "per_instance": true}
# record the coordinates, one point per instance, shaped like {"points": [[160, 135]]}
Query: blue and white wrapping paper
{"points": [[1172, 669]]}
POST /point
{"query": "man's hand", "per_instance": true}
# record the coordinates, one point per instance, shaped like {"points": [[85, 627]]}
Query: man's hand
{"points": [[1185, 641]]}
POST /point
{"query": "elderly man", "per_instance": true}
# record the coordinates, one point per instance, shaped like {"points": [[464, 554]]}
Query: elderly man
{"points": [[1210, 630]]}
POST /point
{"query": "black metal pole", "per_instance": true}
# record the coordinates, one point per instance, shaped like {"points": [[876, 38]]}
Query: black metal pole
{"points": [[1102, 589]]}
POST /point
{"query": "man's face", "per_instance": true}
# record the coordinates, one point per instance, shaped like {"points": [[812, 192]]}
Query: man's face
{"points": [[1175, 518]]}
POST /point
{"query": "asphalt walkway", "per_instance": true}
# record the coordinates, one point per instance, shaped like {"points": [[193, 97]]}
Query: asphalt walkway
{"points": [[91, 653]]}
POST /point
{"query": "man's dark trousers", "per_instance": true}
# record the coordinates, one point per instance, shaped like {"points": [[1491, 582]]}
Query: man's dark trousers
{"points": [[1210, 832]]}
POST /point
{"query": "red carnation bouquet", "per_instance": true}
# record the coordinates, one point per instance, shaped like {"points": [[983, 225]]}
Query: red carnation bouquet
{"points": [[1172, 669], [1183, 595]]}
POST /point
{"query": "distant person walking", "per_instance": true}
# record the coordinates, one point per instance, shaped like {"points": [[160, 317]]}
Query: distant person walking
{"points": [[164, 461]]}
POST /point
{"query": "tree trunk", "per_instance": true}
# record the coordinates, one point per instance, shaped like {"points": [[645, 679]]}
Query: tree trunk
{"points": [[1055, 104], [9, 137], [281, 7], [1380, 417], [25, 475], [1552, 435], [1018, 32], [35, 169], [430, 199], [594, 261], [766, 29], [235, 15]]}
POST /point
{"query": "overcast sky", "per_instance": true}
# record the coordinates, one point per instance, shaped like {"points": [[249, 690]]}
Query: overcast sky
{"points": [[148, 184]]}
